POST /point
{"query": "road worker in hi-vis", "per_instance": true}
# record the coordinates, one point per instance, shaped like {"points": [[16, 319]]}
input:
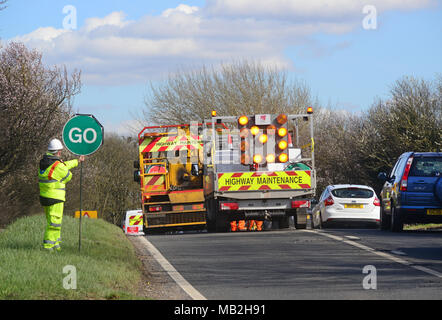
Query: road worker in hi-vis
{"points": [[53, 175]]}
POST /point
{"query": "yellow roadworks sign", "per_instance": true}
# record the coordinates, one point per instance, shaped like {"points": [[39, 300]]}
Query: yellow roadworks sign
{"points": [[171, 143], [87, 214], [253, 181]]}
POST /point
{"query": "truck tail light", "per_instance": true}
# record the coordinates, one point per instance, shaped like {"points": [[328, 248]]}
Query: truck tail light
{"points": [[300, 204], [155, 208], [228, 206], [404, 181], [329, 201]]}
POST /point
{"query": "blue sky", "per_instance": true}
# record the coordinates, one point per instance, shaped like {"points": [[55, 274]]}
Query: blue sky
{"points": [[122, 45]]}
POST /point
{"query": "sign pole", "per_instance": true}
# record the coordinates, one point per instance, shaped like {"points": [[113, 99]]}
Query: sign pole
{"points": [[81, 205], [82, 135]]}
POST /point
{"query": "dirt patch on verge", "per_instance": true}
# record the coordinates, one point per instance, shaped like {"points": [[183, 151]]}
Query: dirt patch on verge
{"points": [[156, 284]]}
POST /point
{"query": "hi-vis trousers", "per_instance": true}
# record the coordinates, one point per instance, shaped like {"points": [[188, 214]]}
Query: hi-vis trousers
{"points": [[54, 216]]}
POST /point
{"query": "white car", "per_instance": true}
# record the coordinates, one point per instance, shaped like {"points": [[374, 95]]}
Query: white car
{"points": [[347, 204]]}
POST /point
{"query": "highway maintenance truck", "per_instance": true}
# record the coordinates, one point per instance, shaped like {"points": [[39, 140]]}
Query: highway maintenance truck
{"points": [[228, 168], [169, 171], [258, 168]]}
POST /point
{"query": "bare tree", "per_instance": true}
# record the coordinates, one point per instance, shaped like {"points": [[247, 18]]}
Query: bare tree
{"points": [[409, 120], [2, 4], [231, 89], [35, 101]]}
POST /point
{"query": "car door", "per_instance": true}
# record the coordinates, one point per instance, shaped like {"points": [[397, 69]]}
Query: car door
{"points": [[387, 190], [324, 196]]}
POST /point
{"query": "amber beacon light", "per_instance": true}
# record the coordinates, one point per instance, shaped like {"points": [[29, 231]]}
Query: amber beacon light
{"points": [[244, 120]]}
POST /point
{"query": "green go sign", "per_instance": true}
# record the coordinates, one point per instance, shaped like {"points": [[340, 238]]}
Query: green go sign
{"points": [[83, 135]]}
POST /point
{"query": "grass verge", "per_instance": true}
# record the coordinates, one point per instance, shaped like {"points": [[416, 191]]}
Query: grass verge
{"points": [[106, 267]]}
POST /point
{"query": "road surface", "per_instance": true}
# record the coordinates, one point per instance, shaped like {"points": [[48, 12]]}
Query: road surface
{"points": [[296, 264]]}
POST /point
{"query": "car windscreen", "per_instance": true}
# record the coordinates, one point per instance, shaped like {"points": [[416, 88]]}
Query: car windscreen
{"points": [[426, 167], [352, 193]]}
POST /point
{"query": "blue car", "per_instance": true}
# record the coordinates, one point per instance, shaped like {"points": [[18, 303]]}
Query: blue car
{"points": [[412, 192]]}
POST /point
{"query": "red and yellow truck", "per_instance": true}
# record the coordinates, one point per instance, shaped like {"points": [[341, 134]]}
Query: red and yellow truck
{"points": [[170, 176]]}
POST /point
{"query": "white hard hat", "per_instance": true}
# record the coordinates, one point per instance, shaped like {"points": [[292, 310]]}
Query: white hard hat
{"points": [[55, 145]]}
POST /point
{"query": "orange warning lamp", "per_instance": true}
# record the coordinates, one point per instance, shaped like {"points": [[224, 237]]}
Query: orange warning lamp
{"points": [[283, 157], [254, 130], [245, 159], [271, 129], [281, 119], [310, 110], [244, 133], [263, 138], [270, 158], [214, 113], [257, 158], [244, 146], [282, 145], [244, 120], [282, 132]]}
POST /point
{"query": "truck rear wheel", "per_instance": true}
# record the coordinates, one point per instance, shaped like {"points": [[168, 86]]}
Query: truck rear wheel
{"points": [[284, 222], [397, 223], [216, 220]]}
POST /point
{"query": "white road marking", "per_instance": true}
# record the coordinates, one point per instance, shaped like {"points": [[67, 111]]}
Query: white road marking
{"points": [[353, 238], [379, 253], [173, 273], [398, 252]]}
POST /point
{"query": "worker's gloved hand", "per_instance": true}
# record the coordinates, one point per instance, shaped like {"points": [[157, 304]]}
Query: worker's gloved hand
{"points": [[81, 159]]}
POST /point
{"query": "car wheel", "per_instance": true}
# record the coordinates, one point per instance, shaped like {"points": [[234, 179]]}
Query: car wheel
{"points": [[397, 225], [385, 220]]}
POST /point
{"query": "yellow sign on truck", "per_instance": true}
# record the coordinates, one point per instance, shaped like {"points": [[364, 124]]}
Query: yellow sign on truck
{"points": [[252, 181]]}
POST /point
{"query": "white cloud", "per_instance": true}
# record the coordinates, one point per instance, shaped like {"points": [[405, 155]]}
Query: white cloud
{"points": [[312, 9], [42, 34], [115, 50], [114, 19], [181, 9]]}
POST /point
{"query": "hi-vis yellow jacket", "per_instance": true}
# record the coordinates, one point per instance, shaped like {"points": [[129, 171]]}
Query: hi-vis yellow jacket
{"points": [[53, 176]]}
